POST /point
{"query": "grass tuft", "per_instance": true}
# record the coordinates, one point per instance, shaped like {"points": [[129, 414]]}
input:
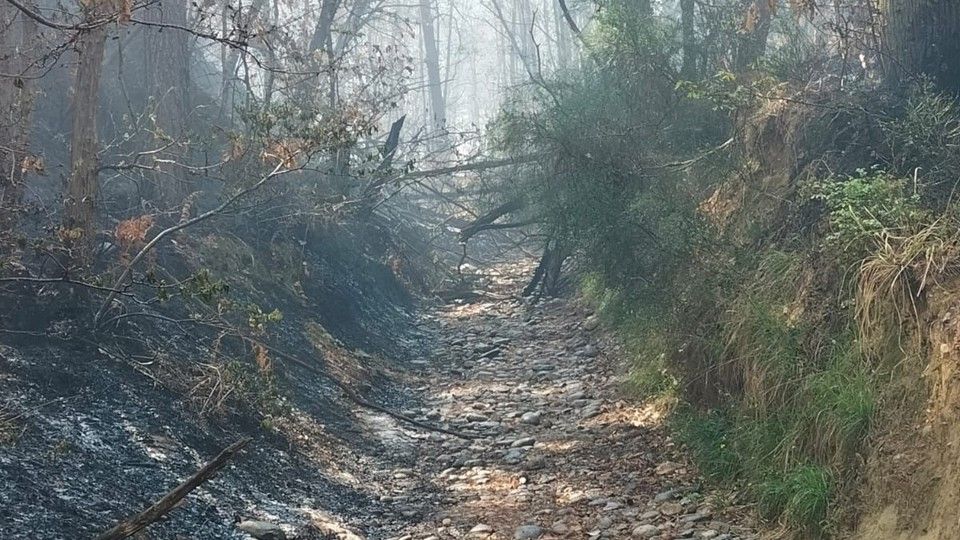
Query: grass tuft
{"points": [[810, 488]]}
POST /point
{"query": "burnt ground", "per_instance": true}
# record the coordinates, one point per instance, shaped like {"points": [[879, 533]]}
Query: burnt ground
{"points": [[550, 447], [95, 426]]}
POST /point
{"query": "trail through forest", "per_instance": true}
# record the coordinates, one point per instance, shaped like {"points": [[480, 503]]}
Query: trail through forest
{"points": [[560, 451]]}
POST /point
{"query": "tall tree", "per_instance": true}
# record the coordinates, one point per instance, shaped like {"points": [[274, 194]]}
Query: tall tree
{"points": [[234, 22], [688, 69], [322, 40], [437, 111], [921, 38], [168, 84], [563, 36], [16, 101], [81, 193]]}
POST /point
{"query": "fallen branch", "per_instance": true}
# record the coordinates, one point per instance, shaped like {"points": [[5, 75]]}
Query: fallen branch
{"points": [[693, 161], [372, 188], [132, 526], [485, 221]]}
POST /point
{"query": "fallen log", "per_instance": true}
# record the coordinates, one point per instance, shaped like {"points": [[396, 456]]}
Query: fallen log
{"points": [[137, 523], [487, 220]]}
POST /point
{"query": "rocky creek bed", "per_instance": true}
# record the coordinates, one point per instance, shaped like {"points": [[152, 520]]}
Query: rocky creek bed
{"points": [[563, 454]]}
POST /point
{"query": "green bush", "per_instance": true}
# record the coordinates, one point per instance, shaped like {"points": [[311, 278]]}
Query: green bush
{"points": [[865, 207]]}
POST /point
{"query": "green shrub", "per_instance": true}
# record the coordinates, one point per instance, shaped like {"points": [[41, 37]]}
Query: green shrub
{"points": [[641, 330], [843, 395], [865, 207]]}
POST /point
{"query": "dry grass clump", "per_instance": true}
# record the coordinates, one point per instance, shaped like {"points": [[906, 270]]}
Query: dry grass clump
{"points": [[892, 282]]}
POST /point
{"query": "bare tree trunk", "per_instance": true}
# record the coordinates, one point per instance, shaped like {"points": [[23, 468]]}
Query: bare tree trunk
{"points": [[563, 36], [168, 82], [474, 91], [437, 113], [527, 48], [448, 67], [360, 13], [546, 277], [322, 39], [81, 196], [230, 57], [921, 37], [503, 52], [322, 33], [519, 44], [688, 70], [16, 103], [229, 60]]}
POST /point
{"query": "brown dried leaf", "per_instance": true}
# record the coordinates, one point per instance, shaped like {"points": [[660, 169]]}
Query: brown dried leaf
{"points": [[133, 231], [283, 152], [69, 235], [32, 164], [263, 359], [236, 149]]}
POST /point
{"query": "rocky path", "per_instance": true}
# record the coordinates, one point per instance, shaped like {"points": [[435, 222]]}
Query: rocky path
{"points": [[559, 453]]}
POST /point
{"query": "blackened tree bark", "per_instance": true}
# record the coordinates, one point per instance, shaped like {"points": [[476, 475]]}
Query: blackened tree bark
{"points": [[322, 39], [546, 277]]}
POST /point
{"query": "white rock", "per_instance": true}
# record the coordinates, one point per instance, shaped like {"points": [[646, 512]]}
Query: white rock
{"points": [[666, 467], [591, 324], [525, 441]]}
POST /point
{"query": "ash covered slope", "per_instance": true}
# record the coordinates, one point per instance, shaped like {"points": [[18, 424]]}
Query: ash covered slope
{"points": [[96, 426]]}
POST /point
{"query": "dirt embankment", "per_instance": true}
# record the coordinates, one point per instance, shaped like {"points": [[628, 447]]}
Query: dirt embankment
{"points": [[912, 481], [901, 482]]}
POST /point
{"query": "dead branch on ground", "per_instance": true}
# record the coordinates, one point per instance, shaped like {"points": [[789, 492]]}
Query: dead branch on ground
{"points": [[137, 523]]}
